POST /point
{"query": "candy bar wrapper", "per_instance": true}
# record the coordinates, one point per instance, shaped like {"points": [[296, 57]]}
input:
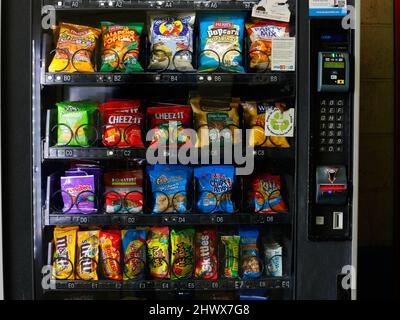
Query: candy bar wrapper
{"points": [[134, 250], [206, 255], [110, 253], [88, 255], [182, 255], [231, 245], [158, 253], [64, 253]]}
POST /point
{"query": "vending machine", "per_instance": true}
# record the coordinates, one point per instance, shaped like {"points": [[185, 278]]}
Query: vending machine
{"points": [[192, 149]]}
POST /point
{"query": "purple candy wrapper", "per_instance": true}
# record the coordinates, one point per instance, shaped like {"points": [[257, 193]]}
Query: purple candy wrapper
{"points": [[78, 194]]}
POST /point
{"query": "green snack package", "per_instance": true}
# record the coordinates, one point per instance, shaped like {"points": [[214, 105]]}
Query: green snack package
{"points": [[182, 257], [231, 267], [121, 47], [76, 122]]}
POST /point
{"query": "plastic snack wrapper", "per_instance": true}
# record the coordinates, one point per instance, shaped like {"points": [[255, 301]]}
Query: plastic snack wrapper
{"points": [[88, 255], [171, 38], [250, 255], [231, 254], [254, 116], [215, 188], [75, 47], [169, 185], [182, 254], [221, 42], [79, 194], [158, 253], [206, 255], [110, 254], [134, 251], [267, 194], [121, 47], [64, 253]]}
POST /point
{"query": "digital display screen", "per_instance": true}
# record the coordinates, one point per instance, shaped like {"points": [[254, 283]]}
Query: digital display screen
{"points": [[334, 65], [338, 37]]}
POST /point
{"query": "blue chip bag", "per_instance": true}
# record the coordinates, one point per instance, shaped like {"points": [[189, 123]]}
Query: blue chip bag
{"points": [[169, 185], [221, 41], [215, 188], [250, 262]]}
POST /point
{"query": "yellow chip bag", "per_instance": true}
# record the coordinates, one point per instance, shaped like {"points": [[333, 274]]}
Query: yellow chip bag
{"points": [[88, 255], [216, 121], [75, 47], [64, 253], [254, 116]]}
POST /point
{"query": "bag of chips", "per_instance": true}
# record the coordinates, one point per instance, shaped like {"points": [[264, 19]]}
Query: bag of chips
{"points": [[79, 194], [171, 38], [254, 116], [75, 48], [182, 255], [206, 255], [250, 255], [123, 123], [88, 255], [231, 254], [169, 185], [76, 123], [216, 121], [110, 253], [221, 41], [215, 184], [64, 253], [158, 253], [121, 47], [124, 191], [170, 123], [261, 32], [267, 194], [134, 250]]}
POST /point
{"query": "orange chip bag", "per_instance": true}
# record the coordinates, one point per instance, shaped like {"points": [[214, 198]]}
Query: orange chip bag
{"points": [[88, 255], [64, 253], [110, 252], [75, 48]]}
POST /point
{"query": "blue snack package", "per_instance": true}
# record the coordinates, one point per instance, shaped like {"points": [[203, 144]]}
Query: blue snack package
{"points": [[215, 188], [221, 41], [169, 185], [134, 253], [250, 255]]}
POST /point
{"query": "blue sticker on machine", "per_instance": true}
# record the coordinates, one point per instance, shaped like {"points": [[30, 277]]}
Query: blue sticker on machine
{"points": [[327, 8]]}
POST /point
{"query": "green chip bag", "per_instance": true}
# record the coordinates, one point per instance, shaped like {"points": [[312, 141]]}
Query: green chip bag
{"points": [[76, 121], [182, 257], [121, 47]]}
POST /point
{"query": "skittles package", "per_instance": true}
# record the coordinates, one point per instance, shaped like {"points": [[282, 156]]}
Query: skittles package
{"points": [[88, 255], [250, 255], [75, 48], [158, 253], [121, 47], [267, 194], [215, 184], [206, 255], [231, 254], [169, 185], [134, 250], [64, 253], [171, 38], [221, 42], [182, 255], [110, 254]]}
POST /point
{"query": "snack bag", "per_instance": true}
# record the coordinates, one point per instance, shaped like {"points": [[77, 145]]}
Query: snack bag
{"points": [[221, 41], [123, 123], [261, 32], [171, 38], [134, 250], [124, 191], [215, 184], [206, 255], [158, 252], [216, 121], [90, 170], [75, 48], [250, 255], [88, 255], [121, 47], [64, 253], [76, 123], [110, 254], [169, 185], [182, 255], [231, 245], [79, 194], [170, 123], [267, 194]]}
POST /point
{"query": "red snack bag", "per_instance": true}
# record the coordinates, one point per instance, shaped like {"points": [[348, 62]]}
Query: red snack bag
{"points": [[267, 194], [110, 253], [206, 255], [170, 123], [122, 123]]}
